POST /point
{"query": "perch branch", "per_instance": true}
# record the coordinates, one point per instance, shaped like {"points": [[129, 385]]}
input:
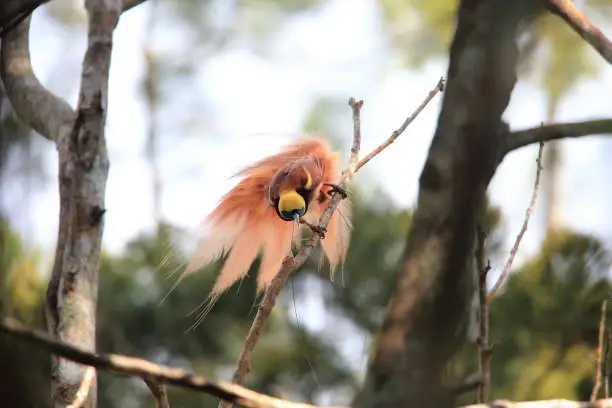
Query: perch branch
{"points": [[232, 392], [484, 350], [545, 133], [146, 369], [439, 88], [519, 237], [291, 264], [600, 348], [581, 24]]}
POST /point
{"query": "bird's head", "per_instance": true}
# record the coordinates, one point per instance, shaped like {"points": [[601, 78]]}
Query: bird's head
{"points": [[291, 190]]}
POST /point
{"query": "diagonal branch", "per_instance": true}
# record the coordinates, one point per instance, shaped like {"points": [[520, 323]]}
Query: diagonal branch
{"points": [[146, 369], [581, 24], [233, 393], [523, 230], [521, 138], [243, 365], [36, 106]]}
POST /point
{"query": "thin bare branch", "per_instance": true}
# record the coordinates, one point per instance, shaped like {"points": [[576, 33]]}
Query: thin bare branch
{"points": [[600, 350], [143, 368], [36, 106], [158, 389], [545, 133], [519, 237], [439, 88], [581, 24], [291, 264], [484, 350], [83, 391], [558, 403]]}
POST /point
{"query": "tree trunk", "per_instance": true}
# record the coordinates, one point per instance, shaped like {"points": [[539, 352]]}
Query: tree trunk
{"points": [[428, 314]]}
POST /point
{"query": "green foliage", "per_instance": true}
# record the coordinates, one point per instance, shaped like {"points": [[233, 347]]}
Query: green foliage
{"points": [[545, 324]]}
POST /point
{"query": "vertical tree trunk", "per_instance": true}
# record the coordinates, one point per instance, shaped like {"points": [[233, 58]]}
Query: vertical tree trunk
{"points": [[83, 169], [428, 314]]}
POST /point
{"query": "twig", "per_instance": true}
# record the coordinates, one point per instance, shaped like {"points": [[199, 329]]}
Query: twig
{"points": [[600, 347], [606, 367], [484, 350], [439, 88], [521, 138], [528, 213], [581, 24], [291, 264], [558, 403], [143, 368], [470, 383], [83, 391], [158, 389], [243, 365]]}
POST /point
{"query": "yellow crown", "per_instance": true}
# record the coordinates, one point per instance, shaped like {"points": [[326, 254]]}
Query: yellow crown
{"points": [[291, 200]]}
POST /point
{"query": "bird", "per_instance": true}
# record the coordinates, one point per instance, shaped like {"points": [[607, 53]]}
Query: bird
{"points": [[265, 213]]}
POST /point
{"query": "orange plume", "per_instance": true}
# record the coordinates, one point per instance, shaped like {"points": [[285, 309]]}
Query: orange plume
{"points": [[258, 216]]}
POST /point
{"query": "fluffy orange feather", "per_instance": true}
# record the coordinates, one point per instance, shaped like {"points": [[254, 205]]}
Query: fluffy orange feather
{"points": [[257, 217]]}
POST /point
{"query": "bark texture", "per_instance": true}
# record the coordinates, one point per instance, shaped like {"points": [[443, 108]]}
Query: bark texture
{"points": [[83, 169], [428, 313]]}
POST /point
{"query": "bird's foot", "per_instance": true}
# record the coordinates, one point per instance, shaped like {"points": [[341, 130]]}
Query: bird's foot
{"points": [[336, 189], [314, 228]]}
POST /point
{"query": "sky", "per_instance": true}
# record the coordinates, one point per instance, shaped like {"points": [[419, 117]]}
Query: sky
{"points": [[251, 104], [259, 103]]}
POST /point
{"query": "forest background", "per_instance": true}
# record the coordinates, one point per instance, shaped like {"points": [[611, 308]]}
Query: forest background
{"points": [[198, 89]]}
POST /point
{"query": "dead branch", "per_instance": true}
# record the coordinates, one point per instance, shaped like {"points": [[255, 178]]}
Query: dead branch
{"points": [[439, 88], [559, 403], [600, 350], [545, 133], [157, 374], [519, 237], [581, 24], [146, 369], [158, 389], [484, 350], [291, 264]]}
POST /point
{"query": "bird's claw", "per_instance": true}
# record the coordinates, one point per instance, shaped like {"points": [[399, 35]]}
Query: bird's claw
{"points": [[315, 228], [336, 189]]}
